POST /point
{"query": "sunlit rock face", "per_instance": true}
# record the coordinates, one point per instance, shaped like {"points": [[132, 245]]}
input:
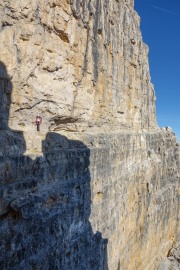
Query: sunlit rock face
{"points": [[82, 64], [98, 187]]}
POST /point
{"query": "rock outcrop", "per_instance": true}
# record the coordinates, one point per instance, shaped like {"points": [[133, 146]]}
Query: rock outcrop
{"points": [[98, 186]]}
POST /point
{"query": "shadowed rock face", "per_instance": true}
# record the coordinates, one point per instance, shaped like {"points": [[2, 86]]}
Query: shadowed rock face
{"points": [[103, 191], [5, 92], [96, 205], [46, 222], [11, 141]]}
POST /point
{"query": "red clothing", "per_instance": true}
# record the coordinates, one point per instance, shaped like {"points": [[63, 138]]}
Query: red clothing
{"points": [[38, 120]]}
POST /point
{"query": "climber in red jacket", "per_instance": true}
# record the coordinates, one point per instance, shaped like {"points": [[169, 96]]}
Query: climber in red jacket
{"points": [[38, 122]]}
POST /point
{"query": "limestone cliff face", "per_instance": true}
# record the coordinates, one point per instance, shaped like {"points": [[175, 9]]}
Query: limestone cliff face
{"points": [[98, 187], [81, 64]]}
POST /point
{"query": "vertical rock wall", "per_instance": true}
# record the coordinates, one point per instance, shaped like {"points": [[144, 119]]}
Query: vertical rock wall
{"points": [[82, 64], [98, 187], [111, 202]]}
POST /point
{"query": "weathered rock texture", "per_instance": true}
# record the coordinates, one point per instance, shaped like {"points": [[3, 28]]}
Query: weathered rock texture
{"points": [[173, 260], [98, 187], [79, 63]]}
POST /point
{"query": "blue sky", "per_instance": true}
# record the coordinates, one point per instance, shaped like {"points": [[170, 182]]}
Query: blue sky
{"points": [[160, 26]]}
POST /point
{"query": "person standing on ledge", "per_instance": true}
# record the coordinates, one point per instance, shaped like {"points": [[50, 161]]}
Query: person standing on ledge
{"points": [[38, 122]]}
